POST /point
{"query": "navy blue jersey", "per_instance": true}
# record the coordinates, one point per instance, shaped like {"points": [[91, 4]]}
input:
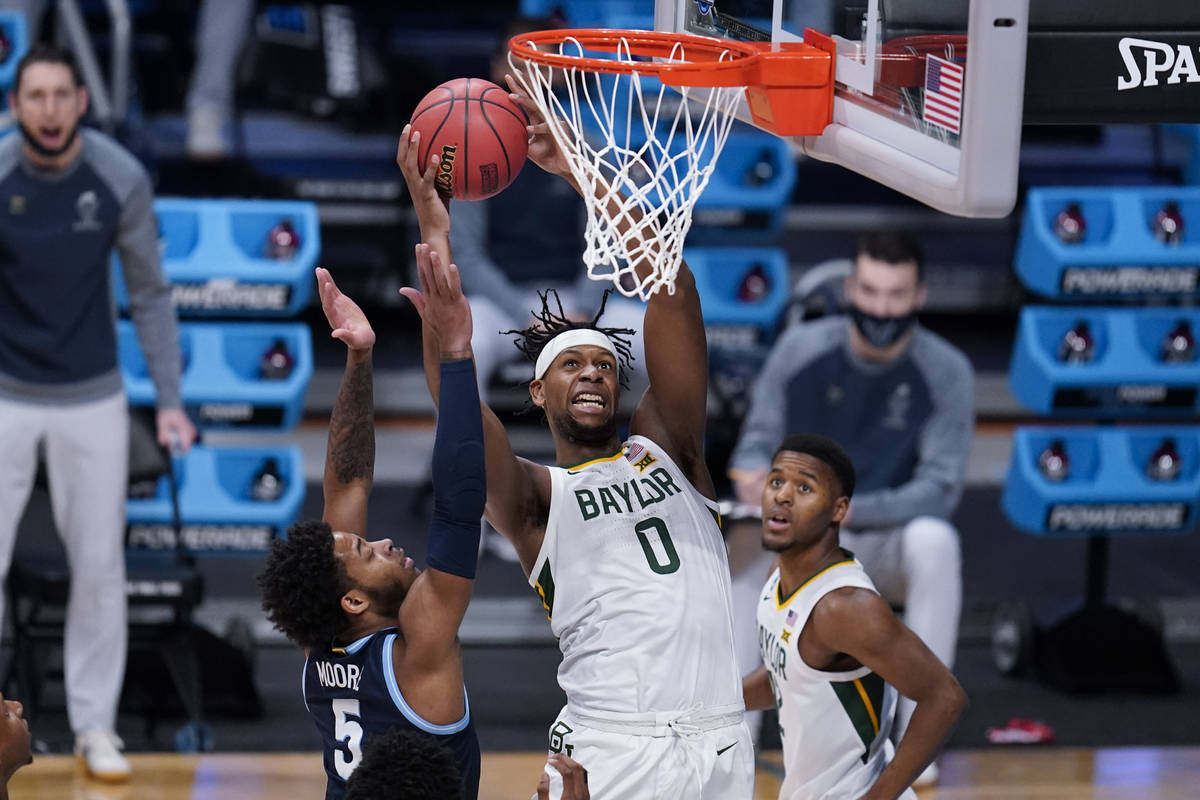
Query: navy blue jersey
{"points": [[353, 695]]}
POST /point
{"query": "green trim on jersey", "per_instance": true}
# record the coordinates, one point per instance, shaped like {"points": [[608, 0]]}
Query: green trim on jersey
{"points": [[862, 699], [716, 515], [545, 589], [781, 601], [596, 460]]}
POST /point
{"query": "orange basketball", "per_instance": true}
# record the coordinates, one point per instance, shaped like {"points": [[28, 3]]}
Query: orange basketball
{"points": [[478, 132]]}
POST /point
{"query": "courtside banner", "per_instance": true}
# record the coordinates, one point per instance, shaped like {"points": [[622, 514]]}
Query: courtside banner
{"points": [[1098, 77]]}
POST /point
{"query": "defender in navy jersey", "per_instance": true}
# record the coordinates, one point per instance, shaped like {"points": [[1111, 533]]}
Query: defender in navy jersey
{"points": [[382, 636], [620, 539]]}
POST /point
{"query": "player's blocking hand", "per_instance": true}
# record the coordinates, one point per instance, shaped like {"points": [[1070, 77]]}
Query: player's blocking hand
{"points": [[574, 779], [347, 320], [431, 207], [441, 302]]}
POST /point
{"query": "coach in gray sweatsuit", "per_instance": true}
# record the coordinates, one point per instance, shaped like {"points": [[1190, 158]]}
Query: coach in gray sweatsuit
{"points": [[67, 197], [900, 400]]}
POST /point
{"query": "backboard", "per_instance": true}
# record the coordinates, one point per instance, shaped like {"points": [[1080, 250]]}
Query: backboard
{"points": [[928, 93]]}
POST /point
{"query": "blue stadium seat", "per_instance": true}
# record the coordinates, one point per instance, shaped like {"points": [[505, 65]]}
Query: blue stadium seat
{"points": [[1126, 376], [1106, 489], [214, 256], [217, 512], [221, 383]]}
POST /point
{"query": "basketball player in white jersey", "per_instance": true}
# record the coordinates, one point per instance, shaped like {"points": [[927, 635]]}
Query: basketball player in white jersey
{"points": [[620, 539], [834, 654]]}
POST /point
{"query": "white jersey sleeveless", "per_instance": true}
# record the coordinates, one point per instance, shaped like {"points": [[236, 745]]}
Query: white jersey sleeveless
{"points": [[834, 725], [634, 575]]}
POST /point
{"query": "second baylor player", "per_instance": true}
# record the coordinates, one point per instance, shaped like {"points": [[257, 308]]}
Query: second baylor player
{"points": [[834, 654]]}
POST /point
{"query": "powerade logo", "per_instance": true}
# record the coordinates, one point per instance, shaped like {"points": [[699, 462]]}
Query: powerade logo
{"points": [[1130, 280], [226, 294], [1117, 517], [1149, 63], [152, 536]]}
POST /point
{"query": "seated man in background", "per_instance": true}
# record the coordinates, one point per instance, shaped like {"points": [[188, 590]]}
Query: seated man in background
{"points": [[381, 636], [15, 741], [822, 626], [901, 401]]}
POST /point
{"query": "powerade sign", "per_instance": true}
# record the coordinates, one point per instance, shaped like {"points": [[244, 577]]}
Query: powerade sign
{"points": [[1130, 280], [1125, 396], [1085, 517], [227, 294], [154, 536]]}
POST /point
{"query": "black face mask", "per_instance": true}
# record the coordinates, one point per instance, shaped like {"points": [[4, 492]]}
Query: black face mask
{"points": [[47, 152], [881, 331]]}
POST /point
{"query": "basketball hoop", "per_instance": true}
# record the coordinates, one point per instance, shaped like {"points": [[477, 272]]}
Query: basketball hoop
{"points": [[642, 155]]}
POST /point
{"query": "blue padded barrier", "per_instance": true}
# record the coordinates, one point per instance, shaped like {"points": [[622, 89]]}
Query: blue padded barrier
{"points": [[1119, 256], [214, 256], [1126, 377], [1106, 490], [719, 272], [216, 509], [221, 386]]}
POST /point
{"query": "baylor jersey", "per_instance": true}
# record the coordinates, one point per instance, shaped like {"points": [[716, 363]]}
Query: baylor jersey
{"points": [[352, 695], [834, 725], [635, 579]]}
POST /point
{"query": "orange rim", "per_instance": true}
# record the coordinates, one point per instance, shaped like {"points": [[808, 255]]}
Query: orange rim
{"points": [[705, 60]]}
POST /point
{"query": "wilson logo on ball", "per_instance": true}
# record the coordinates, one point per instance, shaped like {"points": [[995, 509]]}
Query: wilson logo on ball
{"points": [[445, 178]]}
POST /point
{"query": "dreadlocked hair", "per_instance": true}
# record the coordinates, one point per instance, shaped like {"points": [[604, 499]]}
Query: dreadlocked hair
{"points": [[550, 323], [301, 584]]}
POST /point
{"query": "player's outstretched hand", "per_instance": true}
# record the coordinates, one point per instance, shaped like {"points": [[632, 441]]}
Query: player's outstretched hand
{"points": [[433, 210], [441, 302], [543, 149], [347, 320], [574, 779]]}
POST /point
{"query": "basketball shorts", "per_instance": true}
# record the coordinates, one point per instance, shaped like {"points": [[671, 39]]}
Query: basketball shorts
{"points": [[696, 758]]}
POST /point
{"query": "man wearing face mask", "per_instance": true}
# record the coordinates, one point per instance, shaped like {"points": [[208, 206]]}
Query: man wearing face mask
{"points": [[900, 399]]}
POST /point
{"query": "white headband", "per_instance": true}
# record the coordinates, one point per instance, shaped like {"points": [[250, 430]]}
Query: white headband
{"points": [[567, 339]]}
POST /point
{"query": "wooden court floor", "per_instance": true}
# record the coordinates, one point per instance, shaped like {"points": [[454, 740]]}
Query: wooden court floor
{"points": [[998, 774]]}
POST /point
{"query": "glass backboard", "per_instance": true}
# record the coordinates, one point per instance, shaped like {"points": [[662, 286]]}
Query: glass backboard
{"points": [[927, 94]]}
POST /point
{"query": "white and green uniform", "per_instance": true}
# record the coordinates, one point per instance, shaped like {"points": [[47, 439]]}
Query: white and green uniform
{"points": [[834, 725], [634, 576]]}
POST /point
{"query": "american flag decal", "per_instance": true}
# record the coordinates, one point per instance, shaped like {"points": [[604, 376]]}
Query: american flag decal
{"points": [[633, 451], [791, 617], [943, 93]]}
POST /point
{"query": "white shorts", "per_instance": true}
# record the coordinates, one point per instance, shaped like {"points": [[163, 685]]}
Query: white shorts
{"points": [[716, 764]]}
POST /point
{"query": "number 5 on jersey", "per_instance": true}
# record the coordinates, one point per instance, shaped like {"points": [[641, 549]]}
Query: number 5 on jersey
{"points": [[350, 733]]}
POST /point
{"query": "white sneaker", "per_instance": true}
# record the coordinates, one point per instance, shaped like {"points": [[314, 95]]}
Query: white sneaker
{"points": [[927, 778], [206, 133], [101, 754]]}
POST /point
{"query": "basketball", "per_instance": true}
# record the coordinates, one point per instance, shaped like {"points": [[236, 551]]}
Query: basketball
{"points": [[478, 132]]}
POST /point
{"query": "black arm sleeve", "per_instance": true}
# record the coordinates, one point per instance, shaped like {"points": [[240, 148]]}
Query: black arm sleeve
{"points": [[459, 480]]}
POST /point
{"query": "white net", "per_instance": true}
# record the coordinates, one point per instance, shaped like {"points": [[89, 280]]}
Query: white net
{"points": [[642, 154]]}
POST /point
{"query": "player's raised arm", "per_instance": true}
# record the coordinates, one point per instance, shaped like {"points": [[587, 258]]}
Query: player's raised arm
{"points": [[673, 411], [861, 624], [438, 599], [350, 452], [512, 489]]}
